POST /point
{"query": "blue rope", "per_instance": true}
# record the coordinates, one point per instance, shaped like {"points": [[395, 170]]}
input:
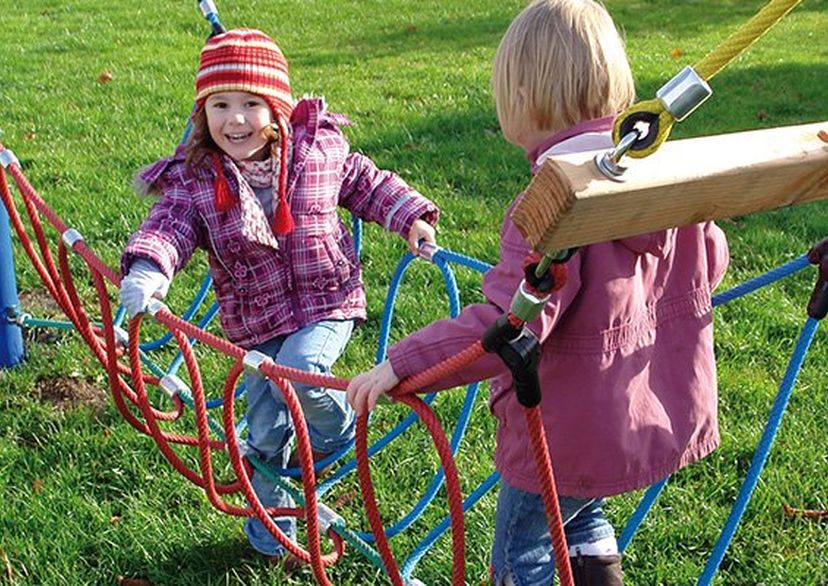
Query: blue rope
{"points": [[762, 451], [771, 276], [429, 540], [638, 516], [762, 280]]}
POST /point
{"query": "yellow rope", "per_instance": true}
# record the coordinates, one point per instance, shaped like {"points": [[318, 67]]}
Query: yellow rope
{"points": [[709, 66]]}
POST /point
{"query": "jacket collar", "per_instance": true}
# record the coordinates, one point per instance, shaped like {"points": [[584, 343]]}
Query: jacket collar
{"points": [[595, 125]]}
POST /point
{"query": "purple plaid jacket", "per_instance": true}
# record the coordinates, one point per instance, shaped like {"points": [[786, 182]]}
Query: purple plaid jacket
{"points": [[268, 285]]}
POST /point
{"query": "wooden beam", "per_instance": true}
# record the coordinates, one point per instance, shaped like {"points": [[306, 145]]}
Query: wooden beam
{"points": [[570, 203]]}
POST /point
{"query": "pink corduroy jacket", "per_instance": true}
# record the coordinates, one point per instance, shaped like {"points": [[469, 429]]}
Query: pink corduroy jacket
{"points": [[268, 285], [627, 366]]}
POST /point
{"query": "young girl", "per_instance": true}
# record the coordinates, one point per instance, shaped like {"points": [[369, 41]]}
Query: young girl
{"points": [[627, 365], [257, 186]]}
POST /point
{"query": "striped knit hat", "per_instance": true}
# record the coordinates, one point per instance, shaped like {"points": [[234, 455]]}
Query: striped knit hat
{"points": [[247, 60]]}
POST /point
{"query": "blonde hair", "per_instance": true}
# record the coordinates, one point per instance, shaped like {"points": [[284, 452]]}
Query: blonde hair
{"points": [[200, 144], [560, 62]]}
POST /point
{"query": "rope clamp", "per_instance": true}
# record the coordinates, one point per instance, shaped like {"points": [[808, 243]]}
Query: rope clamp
{"points": [[253, 361], [155, 305], [19, 318], [525, 305], [519, 350], [684, 93], [607, 162], [173, 386], [328, 518], [427, 251], [71, 237], [7, 158], [121, 336]]}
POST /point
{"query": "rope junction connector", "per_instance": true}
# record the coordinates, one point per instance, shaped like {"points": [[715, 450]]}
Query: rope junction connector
{"points": [[121, 336], [428, 250], [8, 158], [71, 237], [173, 386], [519, 349], [685, 92], [328, 518], [253, 361], [156, 305]]}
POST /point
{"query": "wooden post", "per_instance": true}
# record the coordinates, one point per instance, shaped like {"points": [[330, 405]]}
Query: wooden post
{"points": [[570, 203]]}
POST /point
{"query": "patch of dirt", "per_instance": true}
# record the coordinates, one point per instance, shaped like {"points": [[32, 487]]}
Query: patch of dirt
{"points": [[67, 393], [38, 302]]}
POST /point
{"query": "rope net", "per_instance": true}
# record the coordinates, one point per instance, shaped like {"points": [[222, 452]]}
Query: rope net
{"points": [[123, 357]]}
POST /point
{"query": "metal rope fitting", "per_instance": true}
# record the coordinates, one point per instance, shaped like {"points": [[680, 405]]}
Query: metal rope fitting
{"points": [[208, 7], [526, 306], [155, 305], [328, 518], [173, 386], [70, 237], [607, 162], [684, 93], [7, 158], [253, 361], [121, 336], [427, 251], [20, 318]]}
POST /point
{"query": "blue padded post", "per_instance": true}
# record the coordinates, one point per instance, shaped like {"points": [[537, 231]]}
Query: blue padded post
{"points": [[11, 336]]}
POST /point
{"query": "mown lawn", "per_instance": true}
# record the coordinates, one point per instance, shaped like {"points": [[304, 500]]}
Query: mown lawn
{"points": [[86, 499]]}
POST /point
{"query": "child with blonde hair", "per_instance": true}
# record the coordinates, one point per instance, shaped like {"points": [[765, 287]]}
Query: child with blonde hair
{"points": [[627, 368], [257, 186]]}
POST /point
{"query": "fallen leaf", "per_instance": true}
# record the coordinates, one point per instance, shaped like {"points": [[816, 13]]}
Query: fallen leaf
{"points": [[823, 136], [345, 498], [412, 28], [122, 581], [31, 135], [676, 53], [105, 76], [762, 115], [37, 485], [115, 519]]}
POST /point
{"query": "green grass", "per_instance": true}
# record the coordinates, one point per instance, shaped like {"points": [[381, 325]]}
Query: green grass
{"points": [[85, 498]]}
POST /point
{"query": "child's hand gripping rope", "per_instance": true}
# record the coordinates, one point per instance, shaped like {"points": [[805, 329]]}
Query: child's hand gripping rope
{"points": [[143, 282]]}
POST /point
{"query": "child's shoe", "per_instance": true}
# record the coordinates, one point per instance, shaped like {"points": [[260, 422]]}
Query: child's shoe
{"points": [[597, 570]]}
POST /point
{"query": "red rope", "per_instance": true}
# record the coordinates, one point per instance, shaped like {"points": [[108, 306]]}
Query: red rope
{"points": [[103, 343], [543, 465]]}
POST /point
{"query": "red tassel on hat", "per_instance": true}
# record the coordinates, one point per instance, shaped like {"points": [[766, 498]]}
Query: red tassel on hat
{"points": [[282, 220], [224, 198]]}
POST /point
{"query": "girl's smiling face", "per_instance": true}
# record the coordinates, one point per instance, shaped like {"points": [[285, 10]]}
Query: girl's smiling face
{"points": [[236, 121]]}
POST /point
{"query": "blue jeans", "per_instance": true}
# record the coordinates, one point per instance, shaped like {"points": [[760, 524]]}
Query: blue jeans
{"points": [[522, 547], [330, 419]]}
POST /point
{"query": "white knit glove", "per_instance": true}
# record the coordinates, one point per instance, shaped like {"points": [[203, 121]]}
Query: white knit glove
{"points": [[143, 281]]}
